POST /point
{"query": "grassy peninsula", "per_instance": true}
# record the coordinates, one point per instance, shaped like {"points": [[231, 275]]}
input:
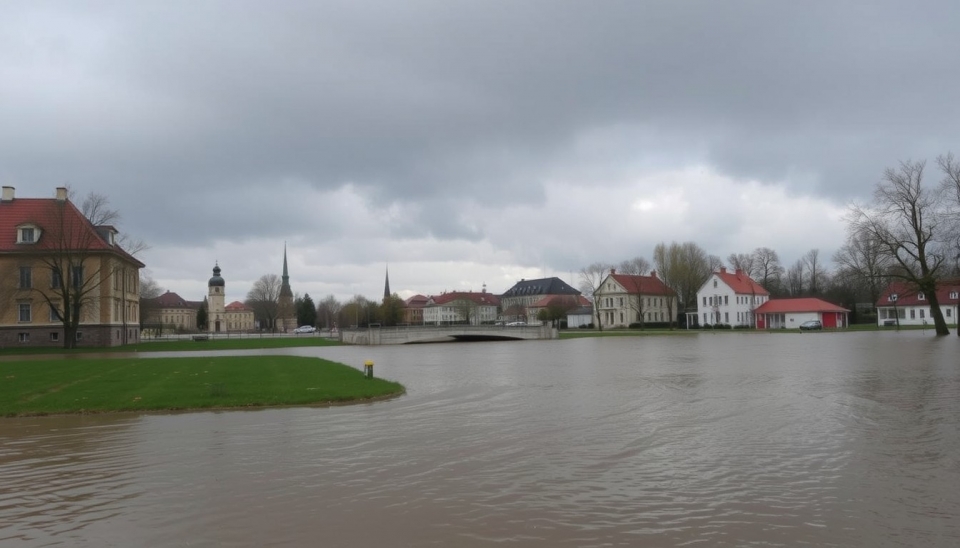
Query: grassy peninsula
{"points": [[39, 387]]}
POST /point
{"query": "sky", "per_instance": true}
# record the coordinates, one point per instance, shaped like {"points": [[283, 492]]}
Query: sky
{"points": [[468, 144]]}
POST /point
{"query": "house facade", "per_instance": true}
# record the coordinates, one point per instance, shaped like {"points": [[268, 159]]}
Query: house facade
{"points": [[169, 313], [728, 298], [53, 262], [517, 301], [790, 313], [413, 309], [461, 307], [625, 299], [900, 304], [238, 317]]}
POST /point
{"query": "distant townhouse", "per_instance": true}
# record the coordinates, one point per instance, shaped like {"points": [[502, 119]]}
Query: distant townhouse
{"points": [[625, 299], [517, 301], [53, 259], [239, 317], [413, 309], [169, 313], [460, 307], [728, 298], [558, 303], [901, 304]]}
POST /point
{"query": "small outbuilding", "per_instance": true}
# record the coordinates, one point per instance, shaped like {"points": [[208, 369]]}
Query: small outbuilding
{"points": [[790, 313]]}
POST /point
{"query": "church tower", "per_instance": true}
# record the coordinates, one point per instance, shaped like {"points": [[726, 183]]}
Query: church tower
{"points": [[216, 320], [386, 285], [286, 313]]}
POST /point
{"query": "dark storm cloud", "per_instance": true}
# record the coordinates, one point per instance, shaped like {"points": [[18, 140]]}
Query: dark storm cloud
{"points": [[450, 103]]}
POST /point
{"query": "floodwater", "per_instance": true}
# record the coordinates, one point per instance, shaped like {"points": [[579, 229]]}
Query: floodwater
{"points": [[712, 440]]}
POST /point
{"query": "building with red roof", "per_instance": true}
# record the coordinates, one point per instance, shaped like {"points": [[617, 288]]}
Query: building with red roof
{"points": [[728, 298], [461, 307], [790, 313], [624, 299], [901, 304], [413, 309], [55, 264]]}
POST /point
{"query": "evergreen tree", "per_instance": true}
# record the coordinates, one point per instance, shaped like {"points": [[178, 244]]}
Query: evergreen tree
{"points": [[306, 311], [202, 316]]}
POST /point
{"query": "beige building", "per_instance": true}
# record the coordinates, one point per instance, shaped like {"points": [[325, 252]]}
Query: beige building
{"points": [[169, 313], [55, 263], [625, 299], [239, 317]]}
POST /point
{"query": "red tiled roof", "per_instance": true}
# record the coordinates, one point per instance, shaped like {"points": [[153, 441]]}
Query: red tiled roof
{"points": [[236, 306], [172, 300], [741, 283], [483, 299], [54, 218], [781, 306], [643, 285], [417, 301], [907, 295]]}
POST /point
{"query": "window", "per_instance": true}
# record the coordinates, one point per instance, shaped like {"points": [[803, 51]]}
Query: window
{"points": [[27, 235], [54, 336], [26, 277], [953, 294], [921, 313], [53, 313], [726, 317], [54, 278], [913, 314], [704, 301], [949, 310], [726, 299], [24, 312], [921, 296], [892, 298], [77, 274], [79, 336], [23, 337], [714, 283]]}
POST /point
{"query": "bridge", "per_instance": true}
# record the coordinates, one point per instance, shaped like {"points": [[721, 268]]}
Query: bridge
{"points": [[447, 333]]}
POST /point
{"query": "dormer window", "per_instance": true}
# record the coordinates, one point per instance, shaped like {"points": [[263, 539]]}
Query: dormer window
{"points": [[28, 234], [953, 294], [921, 297], [892, 298]]}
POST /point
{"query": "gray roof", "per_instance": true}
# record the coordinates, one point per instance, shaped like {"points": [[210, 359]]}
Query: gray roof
{"points": [[543, 286]]}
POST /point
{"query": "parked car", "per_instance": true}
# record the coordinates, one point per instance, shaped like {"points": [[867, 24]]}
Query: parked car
{"points": [[516, 324], [305, 329], [811, 325]]}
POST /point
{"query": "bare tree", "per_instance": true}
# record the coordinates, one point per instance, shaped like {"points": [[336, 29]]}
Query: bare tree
{"points": [[906, 219], [264, 299], [684, 268], [795, 278], [862, 262], [96, 208], [745, 262], [149, 309], [637, 266], [816, 273], [590, 279], [769, 271], [328, 310]]}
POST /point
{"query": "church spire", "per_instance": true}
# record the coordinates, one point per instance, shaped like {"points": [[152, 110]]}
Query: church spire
{"points": [[386, 284], [285, 279]]}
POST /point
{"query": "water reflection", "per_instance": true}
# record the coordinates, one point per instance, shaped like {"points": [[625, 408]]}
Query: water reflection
{"points": [[722, 440]]}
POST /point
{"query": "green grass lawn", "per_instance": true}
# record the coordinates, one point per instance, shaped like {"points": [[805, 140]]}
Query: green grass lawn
{"points": [[37, 387], [179, 346]]}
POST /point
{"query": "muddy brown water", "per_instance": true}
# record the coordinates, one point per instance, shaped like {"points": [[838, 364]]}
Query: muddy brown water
{"points": [[710, 440]]}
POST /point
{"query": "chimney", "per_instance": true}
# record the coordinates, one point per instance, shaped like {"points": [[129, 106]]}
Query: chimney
{"points": [[61, 194], [613, 270], [653, 273], [7, 194], [739, 273], [723, 270]]}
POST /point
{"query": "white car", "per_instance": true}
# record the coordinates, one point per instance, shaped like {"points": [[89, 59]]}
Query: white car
{"points": [[305, 329]]}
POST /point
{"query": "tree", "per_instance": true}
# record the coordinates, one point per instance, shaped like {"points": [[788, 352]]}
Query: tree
{"points": [[907, 219], [767, 268], [861, 263], [96, 208], [149, 309], [264, 299], [306, 310], [466, 309], [637, 266], [358, 311], [795, 278], [327, 311], [202, 315], [590, 279], [745, 262], [816, 273], [684, 268], [391, 310]]}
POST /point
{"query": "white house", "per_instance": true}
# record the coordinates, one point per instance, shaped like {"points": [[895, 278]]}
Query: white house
{"points": [[624, 299], [901, 304], [728, 298]]}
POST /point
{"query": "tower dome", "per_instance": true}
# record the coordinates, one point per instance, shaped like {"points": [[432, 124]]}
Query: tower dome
{"points": [[216, 280]]}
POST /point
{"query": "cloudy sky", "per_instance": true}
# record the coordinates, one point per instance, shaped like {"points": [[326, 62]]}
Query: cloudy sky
{"points": [[465, 143]]}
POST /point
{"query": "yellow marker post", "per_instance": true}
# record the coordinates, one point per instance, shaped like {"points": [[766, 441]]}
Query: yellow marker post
{"points": [[368, 369]]}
